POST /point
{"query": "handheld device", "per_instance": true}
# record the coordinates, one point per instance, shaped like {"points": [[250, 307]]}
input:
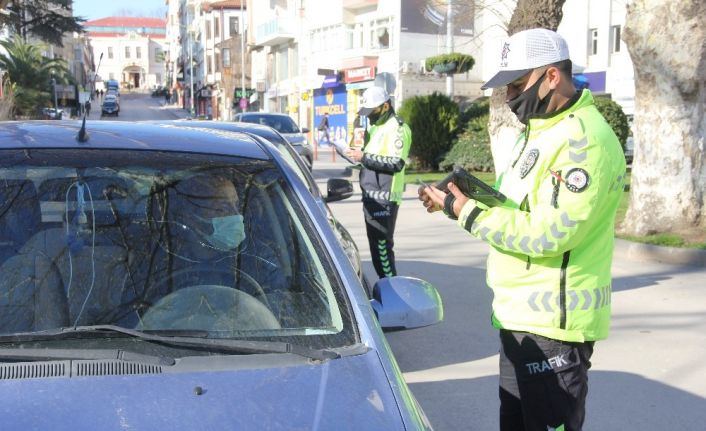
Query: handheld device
{"points": [[472, 187]]}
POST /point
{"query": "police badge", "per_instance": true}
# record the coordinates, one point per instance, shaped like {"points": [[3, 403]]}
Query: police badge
{"points": [[577, 180], [528, 162]]}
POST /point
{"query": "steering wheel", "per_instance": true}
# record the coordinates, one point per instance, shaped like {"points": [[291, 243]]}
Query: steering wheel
{"points": [[256, 289], [209, 307]]}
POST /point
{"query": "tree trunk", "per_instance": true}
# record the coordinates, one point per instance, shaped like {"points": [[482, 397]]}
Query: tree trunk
{"points": [[503, 125], [666, 44]]}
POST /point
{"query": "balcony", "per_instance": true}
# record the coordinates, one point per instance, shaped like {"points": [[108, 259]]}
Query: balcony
{"points": [[274, 32], [358, 4]]}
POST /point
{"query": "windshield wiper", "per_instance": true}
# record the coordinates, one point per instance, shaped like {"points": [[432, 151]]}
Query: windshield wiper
{"points": [[82, 354], [185, 338]]}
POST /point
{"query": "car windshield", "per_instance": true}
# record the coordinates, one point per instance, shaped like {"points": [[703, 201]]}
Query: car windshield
{"points": [[160, 241], [280, 123]]}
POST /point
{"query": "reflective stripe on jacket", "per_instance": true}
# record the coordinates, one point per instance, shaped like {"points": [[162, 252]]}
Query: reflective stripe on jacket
{"points": [[384, 158], [550, 260]]}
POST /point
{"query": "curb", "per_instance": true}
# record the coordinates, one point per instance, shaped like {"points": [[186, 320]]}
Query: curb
{"points": [[646, 252]]}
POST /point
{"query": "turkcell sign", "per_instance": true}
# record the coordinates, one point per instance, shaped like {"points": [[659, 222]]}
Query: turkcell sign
{"points": [[334, 102]]}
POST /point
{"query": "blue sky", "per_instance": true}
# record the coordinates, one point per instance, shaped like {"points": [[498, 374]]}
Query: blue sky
{"points": [[95, 9]]}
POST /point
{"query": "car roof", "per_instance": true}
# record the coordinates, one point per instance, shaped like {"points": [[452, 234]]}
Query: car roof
{"points": [[139, 136], [263, 114], [237, 126]]}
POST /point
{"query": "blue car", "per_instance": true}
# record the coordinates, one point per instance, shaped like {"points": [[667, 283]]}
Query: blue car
{"points": [[285, 125], [158, 277]]}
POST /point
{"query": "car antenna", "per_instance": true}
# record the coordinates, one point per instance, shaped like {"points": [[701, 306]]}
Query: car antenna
{"points": [[82, 133]]}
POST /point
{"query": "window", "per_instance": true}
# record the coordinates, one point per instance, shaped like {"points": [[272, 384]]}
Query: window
{"points": [[138, 52], [216, 28], [226, 57], [282, 62], [127, 52], [234, 24], [158, 55], [217, 62], [615, 38], [380, 31], [209, 67], [208, 29], [593, 41], [110, 52]]}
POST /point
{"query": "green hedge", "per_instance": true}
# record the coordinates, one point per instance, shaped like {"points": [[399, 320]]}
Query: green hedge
{"points": [[616, 118], [433, 120], [472, 148]]}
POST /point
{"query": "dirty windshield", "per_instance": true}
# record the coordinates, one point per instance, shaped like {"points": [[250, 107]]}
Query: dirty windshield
{"points": [[161, 241]]}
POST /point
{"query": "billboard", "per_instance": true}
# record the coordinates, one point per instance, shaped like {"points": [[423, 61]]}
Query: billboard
{"points": [[333, 101], [429, 17]]}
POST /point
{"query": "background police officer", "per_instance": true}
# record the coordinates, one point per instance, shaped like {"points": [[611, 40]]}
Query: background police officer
{"points": [[382, 158], [551, 243]]}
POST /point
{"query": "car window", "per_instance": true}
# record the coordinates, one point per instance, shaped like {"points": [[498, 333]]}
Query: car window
{"points": [[281, 123], [163, 241]]}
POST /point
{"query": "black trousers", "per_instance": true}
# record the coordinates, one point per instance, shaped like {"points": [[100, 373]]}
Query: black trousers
{"points": [[380, 219], [543, 382]]}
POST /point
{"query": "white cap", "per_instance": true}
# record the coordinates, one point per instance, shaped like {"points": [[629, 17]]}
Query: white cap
{"points": [[525, 51], [372, 98]]}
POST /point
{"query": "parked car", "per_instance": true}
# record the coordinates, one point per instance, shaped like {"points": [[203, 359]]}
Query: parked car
{"points": [[285, 125], [337, 188], [52, 114], [160, 277], [110, 106]]}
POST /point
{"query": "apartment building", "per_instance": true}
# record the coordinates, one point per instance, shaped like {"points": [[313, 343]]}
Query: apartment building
{"points": [[317, 56], [207, 53], [132, 49]]}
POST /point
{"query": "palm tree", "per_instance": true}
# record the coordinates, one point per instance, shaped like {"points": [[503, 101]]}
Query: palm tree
{"points": [[30, 75]]}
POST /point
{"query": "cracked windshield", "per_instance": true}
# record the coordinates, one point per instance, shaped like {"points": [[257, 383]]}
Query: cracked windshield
{"points": [[159, 241]]}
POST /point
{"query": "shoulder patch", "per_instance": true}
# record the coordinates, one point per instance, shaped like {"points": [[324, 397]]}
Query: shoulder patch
{"points": [[577, 180], [528, 162]]}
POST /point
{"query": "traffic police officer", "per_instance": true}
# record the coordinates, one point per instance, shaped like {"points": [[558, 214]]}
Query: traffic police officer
{"points": [[552, 243], [383, 156]]}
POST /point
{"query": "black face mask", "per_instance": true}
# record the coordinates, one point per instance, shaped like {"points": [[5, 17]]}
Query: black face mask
{"points": [[528, 102], [377, 115], [374, 116]]}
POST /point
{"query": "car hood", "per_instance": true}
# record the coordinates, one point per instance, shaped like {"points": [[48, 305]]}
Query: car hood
{"points": [[346, 393], [295, 138]]}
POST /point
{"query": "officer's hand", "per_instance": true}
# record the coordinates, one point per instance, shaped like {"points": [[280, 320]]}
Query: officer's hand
{"points": [[354, 154], [431, 197]]}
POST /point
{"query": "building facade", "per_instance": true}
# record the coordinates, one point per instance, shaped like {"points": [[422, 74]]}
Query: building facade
{"points": [[132, 49], [207, 55], [317, 56]]}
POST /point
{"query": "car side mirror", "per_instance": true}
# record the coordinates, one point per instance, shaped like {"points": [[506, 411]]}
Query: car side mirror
{"points": [[406, 302], [338, 189], [305, 130]]}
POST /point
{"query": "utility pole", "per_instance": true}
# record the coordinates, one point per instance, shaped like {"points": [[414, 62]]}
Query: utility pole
{"points": [[449, 46], [53, 86], [191, 71], [242, 55]]}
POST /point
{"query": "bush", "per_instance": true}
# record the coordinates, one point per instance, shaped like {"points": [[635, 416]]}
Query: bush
{"points": [[434, 122], [472, 149], [461, 62], [615, 117]]}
